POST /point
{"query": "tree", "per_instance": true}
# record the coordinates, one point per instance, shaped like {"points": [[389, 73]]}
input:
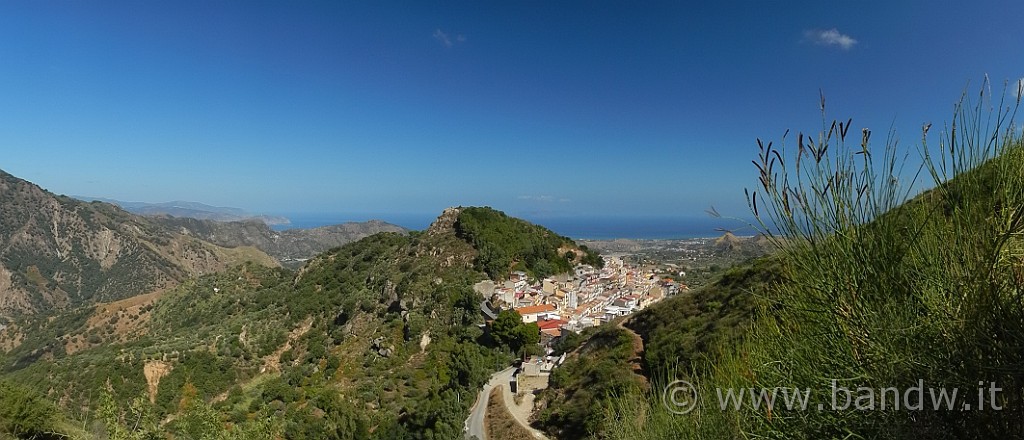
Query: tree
{"points": [[509, 330], [23, 412], [527, 334], [504, 326], [591, 257], [136, 422]]}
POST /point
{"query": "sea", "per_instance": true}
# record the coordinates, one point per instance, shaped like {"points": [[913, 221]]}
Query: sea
{"points": [[575, 227]]}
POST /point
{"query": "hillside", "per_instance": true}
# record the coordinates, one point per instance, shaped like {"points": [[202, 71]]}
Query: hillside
{"points": [[290, 247], [876, 288], [379, 338], [57, 252], [679, 334], [505, 244]]}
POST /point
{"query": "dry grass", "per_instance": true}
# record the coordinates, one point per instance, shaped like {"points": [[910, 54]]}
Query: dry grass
{"points": [[124, 318], [242, 254], [499, 423]]}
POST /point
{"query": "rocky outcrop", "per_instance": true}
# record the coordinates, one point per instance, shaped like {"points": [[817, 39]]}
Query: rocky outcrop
{"points": [[445, 223], [380, 346]]}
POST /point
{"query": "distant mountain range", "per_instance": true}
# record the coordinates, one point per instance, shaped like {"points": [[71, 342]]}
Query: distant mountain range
{"points": [[234, 227], [194, 210], [290, 247]]}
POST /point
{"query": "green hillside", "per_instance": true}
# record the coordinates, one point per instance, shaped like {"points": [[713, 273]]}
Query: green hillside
{"points": [[379, 338], [876, 293], [505, 244]]}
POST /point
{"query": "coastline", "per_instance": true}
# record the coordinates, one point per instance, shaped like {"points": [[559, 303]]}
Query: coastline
{"points": [[577, 228]]}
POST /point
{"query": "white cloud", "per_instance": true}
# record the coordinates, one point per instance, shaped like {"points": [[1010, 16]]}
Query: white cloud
{"points": [[439, 35], [830, 37], [446, 40], [542, 198]]}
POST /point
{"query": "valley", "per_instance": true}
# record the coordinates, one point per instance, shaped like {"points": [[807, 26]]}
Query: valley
{"points": [[362, 322]]}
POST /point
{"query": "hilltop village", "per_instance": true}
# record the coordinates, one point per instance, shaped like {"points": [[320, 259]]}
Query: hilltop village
{"points": [[584, 298]]}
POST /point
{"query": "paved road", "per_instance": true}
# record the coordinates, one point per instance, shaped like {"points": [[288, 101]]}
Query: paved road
{"points": [[517, 410], [487, 310], [475, 422]]}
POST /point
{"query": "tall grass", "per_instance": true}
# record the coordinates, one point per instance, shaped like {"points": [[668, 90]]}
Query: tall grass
{"points": [[882, 289]]}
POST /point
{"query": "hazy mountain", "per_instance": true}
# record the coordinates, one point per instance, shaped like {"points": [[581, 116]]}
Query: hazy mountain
{"points": [[194, 210], [287, 246], [727, 242]]}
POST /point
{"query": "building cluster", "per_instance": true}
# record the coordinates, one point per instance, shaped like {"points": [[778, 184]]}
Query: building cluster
{"points": [[584, 298]]}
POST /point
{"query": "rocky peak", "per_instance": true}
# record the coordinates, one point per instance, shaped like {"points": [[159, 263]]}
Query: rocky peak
{"points": [[445, 223]]}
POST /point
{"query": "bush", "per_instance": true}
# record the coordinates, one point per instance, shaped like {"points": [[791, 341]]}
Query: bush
{"points": [[24, 413]]}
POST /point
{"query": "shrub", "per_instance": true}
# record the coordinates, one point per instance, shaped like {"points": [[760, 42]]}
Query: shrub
{"points": [[24, 413]]}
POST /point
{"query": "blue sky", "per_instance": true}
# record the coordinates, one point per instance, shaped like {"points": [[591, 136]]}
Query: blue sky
{"points": [[536, 108]]}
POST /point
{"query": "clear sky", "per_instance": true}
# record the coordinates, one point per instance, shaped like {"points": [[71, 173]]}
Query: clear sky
{"points": [[549, 108]]}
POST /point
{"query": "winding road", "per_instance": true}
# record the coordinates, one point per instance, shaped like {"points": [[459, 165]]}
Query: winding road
{"points": [[475, 423]]}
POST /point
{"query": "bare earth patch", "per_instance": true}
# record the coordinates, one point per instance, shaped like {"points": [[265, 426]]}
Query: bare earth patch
{"points": [[10, 338], [272, 362], [154, 371], [125, 318], [636, 360]]}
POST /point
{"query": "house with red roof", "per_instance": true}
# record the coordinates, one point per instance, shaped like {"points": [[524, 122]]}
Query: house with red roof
{"points": [[533, 313]]}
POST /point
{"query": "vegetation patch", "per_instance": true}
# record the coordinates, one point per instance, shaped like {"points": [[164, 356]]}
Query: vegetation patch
{"points": [[505, 244], [878, 292], [592, 376]]}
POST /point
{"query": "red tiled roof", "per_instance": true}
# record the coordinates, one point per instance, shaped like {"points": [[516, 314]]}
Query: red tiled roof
{"points": [[551, 323], [536, 309], [554, 332]]}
